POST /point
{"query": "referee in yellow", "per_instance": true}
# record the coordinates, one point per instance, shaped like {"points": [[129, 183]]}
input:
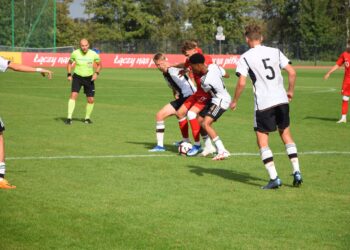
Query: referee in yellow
{"points": [[87, 66]]}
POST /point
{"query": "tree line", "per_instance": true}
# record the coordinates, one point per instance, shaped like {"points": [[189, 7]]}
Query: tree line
{"points": [[302, 28]]}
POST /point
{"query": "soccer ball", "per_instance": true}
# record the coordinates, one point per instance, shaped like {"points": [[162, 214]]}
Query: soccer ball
{"points": [[184, 148]]}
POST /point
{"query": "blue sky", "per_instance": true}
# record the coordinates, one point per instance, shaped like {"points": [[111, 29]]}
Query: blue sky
{"points": [[77, 10]]}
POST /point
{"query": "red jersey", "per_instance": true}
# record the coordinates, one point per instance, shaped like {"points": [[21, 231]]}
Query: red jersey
{"points": [[344, 58]]}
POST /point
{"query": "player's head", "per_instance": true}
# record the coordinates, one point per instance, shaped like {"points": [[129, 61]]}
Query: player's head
{"points": [[189, 48], [253, 34], [161, 62], [84, 45], [197, 63]]}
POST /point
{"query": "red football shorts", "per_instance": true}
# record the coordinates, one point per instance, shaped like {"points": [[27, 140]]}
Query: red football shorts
{"points": [[345, 90], [198, 100]]}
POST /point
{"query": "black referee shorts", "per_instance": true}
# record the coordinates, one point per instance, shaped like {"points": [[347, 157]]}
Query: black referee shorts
{"points": [[86, 82], [269, 120]]}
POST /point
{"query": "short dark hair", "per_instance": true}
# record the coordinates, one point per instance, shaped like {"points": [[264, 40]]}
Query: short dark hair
{"points": [[197, 58], [253, 32]]}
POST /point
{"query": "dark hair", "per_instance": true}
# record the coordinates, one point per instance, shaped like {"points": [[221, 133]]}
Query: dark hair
{"points": [[253, 32], [197, 58]]}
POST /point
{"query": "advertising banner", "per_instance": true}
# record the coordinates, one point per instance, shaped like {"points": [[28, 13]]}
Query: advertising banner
{"points": [[117, 60], [15, 57]]}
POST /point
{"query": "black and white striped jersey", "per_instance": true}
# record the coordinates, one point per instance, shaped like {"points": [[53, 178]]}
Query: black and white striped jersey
{"points": [[212, 82], [3, 64], [263, 65], [182, 85]]}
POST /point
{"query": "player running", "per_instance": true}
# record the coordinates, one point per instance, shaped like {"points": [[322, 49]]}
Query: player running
{"points": [[195, 103], [4, 65], [344, 58], [182, 88], [212, 82], [263, 65]]}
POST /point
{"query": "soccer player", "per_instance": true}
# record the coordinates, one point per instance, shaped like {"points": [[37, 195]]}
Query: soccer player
{"points": [[263, 65], [4, 65], [87, 65], [212, 82], [344, 58], [182, 88], [195, 103]]}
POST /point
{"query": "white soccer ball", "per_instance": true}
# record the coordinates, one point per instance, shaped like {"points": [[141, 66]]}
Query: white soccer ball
{"points": [[184, 147]]}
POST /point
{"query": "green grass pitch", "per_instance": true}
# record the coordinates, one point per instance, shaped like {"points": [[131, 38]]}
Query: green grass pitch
{"points": [[97, 186]]}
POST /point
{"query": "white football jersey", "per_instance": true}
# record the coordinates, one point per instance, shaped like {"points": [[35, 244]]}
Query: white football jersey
{"points": [[3, 64], [213, 83], [264, 64], [182, 85]]}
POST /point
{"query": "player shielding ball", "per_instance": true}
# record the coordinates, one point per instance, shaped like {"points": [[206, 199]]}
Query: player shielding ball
{"points": [[212, 83], [182, 88], [263, 65], [344, 59], [4, 65], [196, 102]]}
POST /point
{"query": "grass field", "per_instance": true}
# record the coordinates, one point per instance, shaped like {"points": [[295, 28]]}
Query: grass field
{"points": [[97, 186]]}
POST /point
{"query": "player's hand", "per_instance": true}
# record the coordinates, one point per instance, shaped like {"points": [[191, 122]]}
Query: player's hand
{"points": [[47, 73], [94, 77], [69, 78], [326, 76], [233, 105], [290, 95], [183, 72]]}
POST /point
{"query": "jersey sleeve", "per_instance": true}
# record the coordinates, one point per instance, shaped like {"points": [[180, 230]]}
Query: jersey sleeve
{"points": [[72, 57], [3, 64], [242, 67], [222, 70], [340, 60], [284, 61], [97, 57]]}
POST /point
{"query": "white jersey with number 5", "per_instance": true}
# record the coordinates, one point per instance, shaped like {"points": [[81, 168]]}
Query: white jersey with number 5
{"points": [[263, 65], [3, 64], [213, 83]]}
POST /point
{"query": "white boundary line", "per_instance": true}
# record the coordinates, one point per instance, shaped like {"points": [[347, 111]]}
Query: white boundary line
{"points": [[64, 157]]}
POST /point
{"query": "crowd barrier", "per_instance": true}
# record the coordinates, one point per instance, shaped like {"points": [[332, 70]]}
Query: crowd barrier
{"points": [[38, 59]]}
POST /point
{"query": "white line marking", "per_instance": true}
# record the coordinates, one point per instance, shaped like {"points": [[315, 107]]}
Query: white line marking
{"points": [[64, 157]]}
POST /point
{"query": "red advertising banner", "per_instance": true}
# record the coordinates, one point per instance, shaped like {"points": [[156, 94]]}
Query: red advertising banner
{"points": [[117, 60]]}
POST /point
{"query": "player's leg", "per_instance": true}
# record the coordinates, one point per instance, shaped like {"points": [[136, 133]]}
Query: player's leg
{"points": [[195, 127], [208, 146], [292, 153], [166, 111], [283, 122], [344, 110], [76, 86], [3, 183], [181, 114], [265, 122], [89, 89]]}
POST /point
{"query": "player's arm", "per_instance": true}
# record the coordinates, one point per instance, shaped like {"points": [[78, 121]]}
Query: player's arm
{"points": [[69, 69], [25, 68], [238, 91], [291, 81], [334, 68], [97, 70]]}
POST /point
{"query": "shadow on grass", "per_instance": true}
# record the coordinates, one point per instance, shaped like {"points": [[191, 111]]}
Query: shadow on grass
{"points": [[227, 174], [321, 118], [63, 119], [150, 145]]}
